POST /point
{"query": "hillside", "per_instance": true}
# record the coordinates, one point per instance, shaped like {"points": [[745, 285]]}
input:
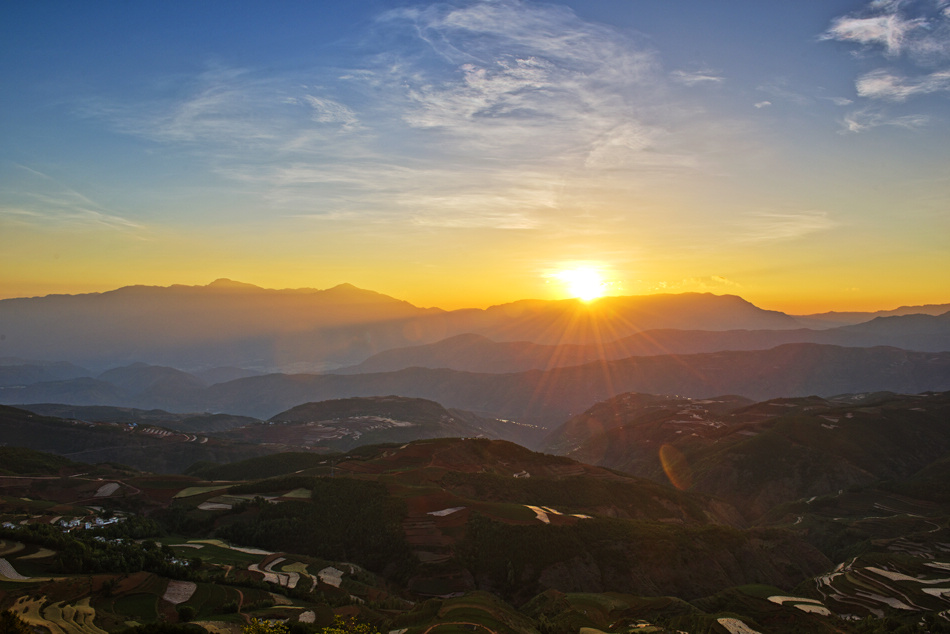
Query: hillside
{"points": [[187, 422], [341, 424], [463, 531], [637, 409], [146, 446], [763, 455], [26, 462], [475, 509]]}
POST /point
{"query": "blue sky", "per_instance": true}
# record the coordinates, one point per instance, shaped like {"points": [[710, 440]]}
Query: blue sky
{"points": [[465, 153]]}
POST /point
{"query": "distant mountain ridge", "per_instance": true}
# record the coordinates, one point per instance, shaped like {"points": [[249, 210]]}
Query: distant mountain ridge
{"points": [[545, 398], [229, 323], [222, 324], [14, 371], [477, 353], [856, 317]]}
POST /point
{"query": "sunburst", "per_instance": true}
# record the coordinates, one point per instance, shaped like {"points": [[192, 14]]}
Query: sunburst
{"points": [[586, 284]]}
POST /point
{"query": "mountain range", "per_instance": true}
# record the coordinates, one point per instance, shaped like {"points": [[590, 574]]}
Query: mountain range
{"points": [[541, 398], [708, 466], [532, 363], [231, 324], [477, 353]]}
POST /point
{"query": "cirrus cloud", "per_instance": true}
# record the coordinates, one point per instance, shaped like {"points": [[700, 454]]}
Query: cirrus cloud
{"points": [[771, 226], [914, 38], [882, 84]]}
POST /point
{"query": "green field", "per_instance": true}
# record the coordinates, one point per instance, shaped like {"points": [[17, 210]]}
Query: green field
{"points": [[209, 598], [139, 606], [193, 491]]}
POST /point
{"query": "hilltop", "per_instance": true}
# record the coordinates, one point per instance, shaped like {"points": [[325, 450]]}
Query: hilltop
{"points": [[341, 424]]}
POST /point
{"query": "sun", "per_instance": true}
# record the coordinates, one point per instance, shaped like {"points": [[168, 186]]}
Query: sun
{"points": [[586, 284]]}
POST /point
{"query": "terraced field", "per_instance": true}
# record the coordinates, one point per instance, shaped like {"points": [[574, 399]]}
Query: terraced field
{"points": [[59, 617], [559, 526]]}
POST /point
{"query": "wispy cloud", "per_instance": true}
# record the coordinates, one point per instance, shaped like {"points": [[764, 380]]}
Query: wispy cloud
{"points": [[528, 82], [330, 111], [914, 38], [445, 102], [778, 89], [870, 118], [39, 199], [775, 226], [920, 30], [696, 78], [881, 84], [889, 30]]}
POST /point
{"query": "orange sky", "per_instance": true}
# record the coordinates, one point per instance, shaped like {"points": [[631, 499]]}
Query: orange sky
{"points": [[465, 154]]}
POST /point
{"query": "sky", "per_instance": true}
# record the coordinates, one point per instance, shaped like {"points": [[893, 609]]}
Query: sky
{"points": [[477, 152]]}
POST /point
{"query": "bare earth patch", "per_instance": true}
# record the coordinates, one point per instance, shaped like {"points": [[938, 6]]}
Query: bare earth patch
{"points": [[107, 489], [219, 627], [8, 572], [331, 576], [179, 591], [221, 544], [735, 626], [213, 506], [812, 606], [445, 512]]}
